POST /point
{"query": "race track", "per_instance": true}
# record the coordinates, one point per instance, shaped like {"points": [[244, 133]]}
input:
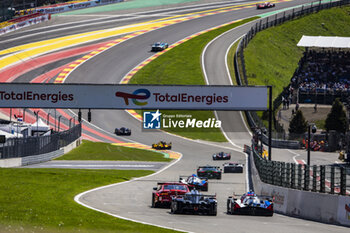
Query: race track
{"points": [[112, 65]]}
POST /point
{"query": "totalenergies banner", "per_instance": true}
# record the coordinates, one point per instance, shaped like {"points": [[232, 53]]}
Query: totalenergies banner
{"points": [[108, 96]]}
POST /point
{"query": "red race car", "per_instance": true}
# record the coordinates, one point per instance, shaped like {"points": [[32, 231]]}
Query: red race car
{"points": [[163, 193], [264, 5]]}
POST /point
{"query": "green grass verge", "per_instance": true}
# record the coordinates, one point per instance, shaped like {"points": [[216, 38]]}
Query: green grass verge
{"points": [[42, 200], [182, 65], [105, 151], [272, 56]]}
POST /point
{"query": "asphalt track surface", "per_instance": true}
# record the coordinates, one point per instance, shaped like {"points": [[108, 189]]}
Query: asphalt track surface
{"points": [[110, 67]]}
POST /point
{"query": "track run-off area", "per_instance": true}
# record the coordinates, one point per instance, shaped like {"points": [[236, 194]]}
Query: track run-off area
{"points": [[105, 47]]}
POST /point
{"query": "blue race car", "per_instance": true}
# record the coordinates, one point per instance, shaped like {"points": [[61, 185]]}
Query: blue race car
{"points": [[159, 46], [250, 204], [195, 182]]}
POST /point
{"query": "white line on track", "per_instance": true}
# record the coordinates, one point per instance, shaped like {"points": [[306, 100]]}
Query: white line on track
{"points": [[295, 155], [230, 79], [77, 197]]}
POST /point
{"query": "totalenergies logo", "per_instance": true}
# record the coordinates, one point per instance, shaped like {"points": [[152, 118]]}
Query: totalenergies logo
{"points": [[139, 94]]}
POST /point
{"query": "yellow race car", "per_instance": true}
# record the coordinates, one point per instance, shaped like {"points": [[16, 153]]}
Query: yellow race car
{"points": [[161, 146]]}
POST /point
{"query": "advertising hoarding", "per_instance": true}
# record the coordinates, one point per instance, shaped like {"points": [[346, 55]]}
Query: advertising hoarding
{"points": [[110, 96]]}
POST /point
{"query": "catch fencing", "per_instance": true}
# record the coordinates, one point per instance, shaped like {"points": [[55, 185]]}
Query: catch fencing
{"points": [[330, 179], [239, 62], [28, 146]]}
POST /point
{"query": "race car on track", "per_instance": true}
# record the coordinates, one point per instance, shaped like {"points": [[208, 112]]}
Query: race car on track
{"points": [[194, 202], [195, 182], [264, 5], [209, 172], [250, 204], [163, 193], [159, 46], [221, 156], [162, 146], [233, 167], [123, 131]]}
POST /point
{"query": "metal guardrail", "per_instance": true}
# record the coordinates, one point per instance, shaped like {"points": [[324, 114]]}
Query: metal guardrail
{"points": [[253, 119], [22, 147], [330, 179]]}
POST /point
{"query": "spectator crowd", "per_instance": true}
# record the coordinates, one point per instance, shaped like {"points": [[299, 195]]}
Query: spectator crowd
{"points": [[323, 71]]}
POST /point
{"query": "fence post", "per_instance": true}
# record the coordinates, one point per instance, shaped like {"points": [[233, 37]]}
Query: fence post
{"points": [[292, 183], [276, 19], [288, 176], [271, 172], [342, 181], [306, 177], [260, 25], [322, 178], [314, 178], [332, 180], [283, 174], [263, 164], [299, 176]]}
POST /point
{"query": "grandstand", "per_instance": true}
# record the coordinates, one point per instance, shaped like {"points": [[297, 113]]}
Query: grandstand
{"points": [[324, 70]]}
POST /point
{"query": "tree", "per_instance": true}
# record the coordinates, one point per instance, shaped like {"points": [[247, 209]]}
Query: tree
{"points": [[336, 119], [298, 124]]}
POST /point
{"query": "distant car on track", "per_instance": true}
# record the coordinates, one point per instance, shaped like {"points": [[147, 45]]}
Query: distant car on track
{"points": [[194, 202], [210, 172], [162, 146], [250, 204], [159, 46], [221, 156], [194, 182], [123, 131], [233, 167], [163, 193], [264, 5]]}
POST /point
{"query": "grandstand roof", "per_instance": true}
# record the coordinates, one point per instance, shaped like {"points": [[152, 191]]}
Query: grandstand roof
{"points": [[324, 42]]}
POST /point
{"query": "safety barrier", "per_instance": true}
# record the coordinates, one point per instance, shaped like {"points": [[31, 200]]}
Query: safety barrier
{"points": [[22, 22], [22, 147], [330, 179], [75, 6], [297, 202]]}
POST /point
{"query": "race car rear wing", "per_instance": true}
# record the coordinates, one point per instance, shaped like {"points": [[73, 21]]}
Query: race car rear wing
{"points": [[262, 197], [213, 196], [217, 167]]}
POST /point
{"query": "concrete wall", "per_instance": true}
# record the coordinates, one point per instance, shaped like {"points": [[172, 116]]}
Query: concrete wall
{"points": [[327, 208], [16, 162], [71, 146]]}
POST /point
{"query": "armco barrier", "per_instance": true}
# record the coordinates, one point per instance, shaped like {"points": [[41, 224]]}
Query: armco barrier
{"points": [[327, 208], [41, 158]]}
